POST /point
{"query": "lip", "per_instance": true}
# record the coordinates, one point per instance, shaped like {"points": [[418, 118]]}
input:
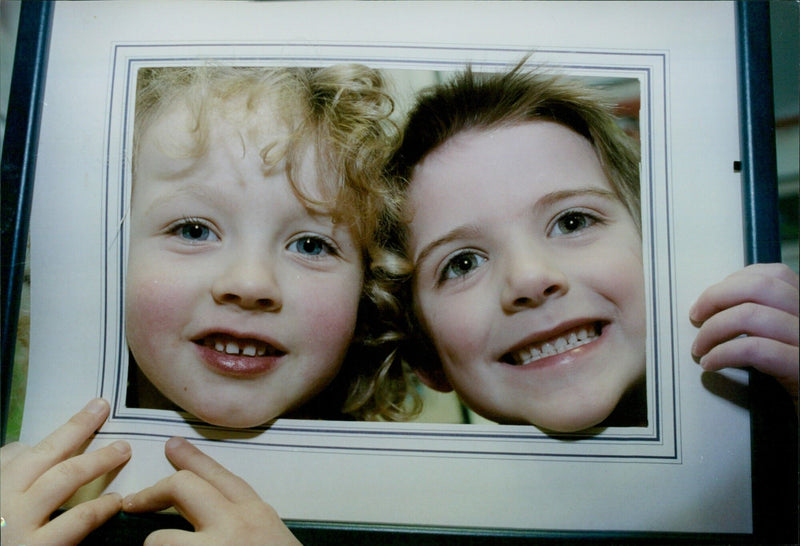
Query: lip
{"points": [[242, 355], [595, 328]]}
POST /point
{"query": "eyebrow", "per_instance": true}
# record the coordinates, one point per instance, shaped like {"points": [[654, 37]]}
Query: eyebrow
{"points": [[557, 196], [214, 197], [201, 192], [471, 230], [461, 232]]}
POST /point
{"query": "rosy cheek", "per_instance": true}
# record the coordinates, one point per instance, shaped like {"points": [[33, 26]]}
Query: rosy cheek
{"points": [[332, 321], [337, 323], [150, 309], [454, 330]]}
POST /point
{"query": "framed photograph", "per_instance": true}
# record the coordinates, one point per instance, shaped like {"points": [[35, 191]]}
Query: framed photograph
{"points": [[670, 68]]}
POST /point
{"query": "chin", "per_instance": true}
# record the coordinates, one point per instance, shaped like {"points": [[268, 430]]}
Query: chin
{"points": [[230, 418], [560, 421], [233, 423], [571, 425], [588, 417]]}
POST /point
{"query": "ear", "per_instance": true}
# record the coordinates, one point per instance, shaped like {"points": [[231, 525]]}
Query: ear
{"points": [[434, 378]]}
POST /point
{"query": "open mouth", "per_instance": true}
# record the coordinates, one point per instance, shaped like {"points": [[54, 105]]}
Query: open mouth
{"points": [[561, 343], [239, 347]]}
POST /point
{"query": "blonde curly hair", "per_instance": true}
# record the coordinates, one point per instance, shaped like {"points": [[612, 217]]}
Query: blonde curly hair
{"points": [[341, 115]]}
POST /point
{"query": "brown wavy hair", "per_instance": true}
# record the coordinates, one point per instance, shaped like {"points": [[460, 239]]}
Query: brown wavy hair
{"points": [[485, 101]]}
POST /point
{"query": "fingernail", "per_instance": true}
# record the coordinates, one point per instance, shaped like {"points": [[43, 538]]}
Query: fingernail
{"points": [[122, 446], [174, 442], [96, 406], [693, 313], [703, 361]]}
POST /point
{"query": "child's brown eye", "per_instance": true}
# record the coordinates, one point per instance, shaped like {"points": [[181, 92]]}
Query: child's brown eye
{"points": [[465, 263], [461, 265], [572, 222]]}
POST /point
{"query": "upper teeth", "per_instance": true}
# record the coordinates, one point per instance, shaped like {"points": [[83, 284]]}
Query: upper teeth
{"points": [[565, 342], [231, 347]]}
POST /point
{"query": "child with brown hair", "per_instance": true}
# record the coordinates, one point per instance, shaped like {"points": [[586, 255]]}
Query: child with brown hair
{"points": [[521, 222]]}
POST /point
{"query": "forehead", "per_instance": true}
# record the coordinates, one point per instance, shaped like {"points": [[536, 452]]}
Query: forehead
{"points": [[183, 134], [182, 122], [184, 141], [503, 165]]}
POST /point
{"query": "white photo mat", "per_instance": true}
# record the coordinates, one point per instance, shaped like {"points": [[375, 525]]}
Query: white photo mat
{"points": [[668, 476]]}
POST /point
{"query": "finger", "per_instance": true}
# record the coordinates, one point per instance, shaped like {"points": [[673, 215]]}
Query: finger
{"points": [[59, 445], [747, 319], [75, 524], [771, 357], [776, 270], [196, 499], [59, 483], [171, 537], [188, 457], [11, 451], [773, 285]]}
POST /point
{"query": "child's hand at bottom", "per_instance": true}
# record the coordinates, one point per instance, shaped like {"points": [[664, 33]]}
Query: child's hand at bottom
{"points": [[222, 507], [37, 480], [751, 319]]}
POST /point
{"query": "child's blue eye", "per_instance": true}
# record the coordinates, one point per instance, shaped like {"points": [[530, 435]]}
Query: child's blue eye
{"points": [[192, 231], [571, 222], [195, 232], [461, 265], [310, 245]]}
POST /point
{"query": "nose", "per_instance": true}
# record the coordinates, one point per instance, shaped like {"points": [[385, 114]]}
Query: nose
{"points": [[531, 279], [248, 282]]}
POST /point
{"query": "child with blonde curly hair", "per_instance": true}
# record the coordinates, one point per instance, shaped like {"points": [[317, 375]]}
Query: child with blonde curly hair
{"points": [[256, 287], [253, 271]]}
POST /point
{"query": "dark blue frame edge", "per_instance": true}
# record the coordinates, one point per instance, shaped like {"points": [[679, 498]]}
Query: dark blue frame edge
{"points": [[18, 166], [773, 418], [774, 452]]}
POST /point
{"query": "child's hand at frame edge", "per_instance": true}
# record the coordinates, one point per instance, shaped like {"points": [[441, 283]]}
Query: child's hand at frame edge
{"points": [[751, 319], [37, 480], [222, 507]]}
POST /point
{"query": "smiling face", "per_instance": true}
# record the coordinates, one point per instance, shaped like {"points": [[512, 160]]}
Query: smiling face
{"points": [[528, 275], [240, 302]]}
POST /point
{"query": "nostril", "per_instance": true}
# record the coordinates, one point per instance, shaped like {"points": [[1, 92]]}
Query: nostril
{"points": [[522, 302], [552, 289], [229, 298]]}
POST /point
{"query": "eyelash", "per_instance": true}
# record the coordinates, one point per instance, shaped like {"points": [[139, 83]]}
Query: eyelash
{"points": [[589, 218], [188, 222], [444, 277], [327, 245]]}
